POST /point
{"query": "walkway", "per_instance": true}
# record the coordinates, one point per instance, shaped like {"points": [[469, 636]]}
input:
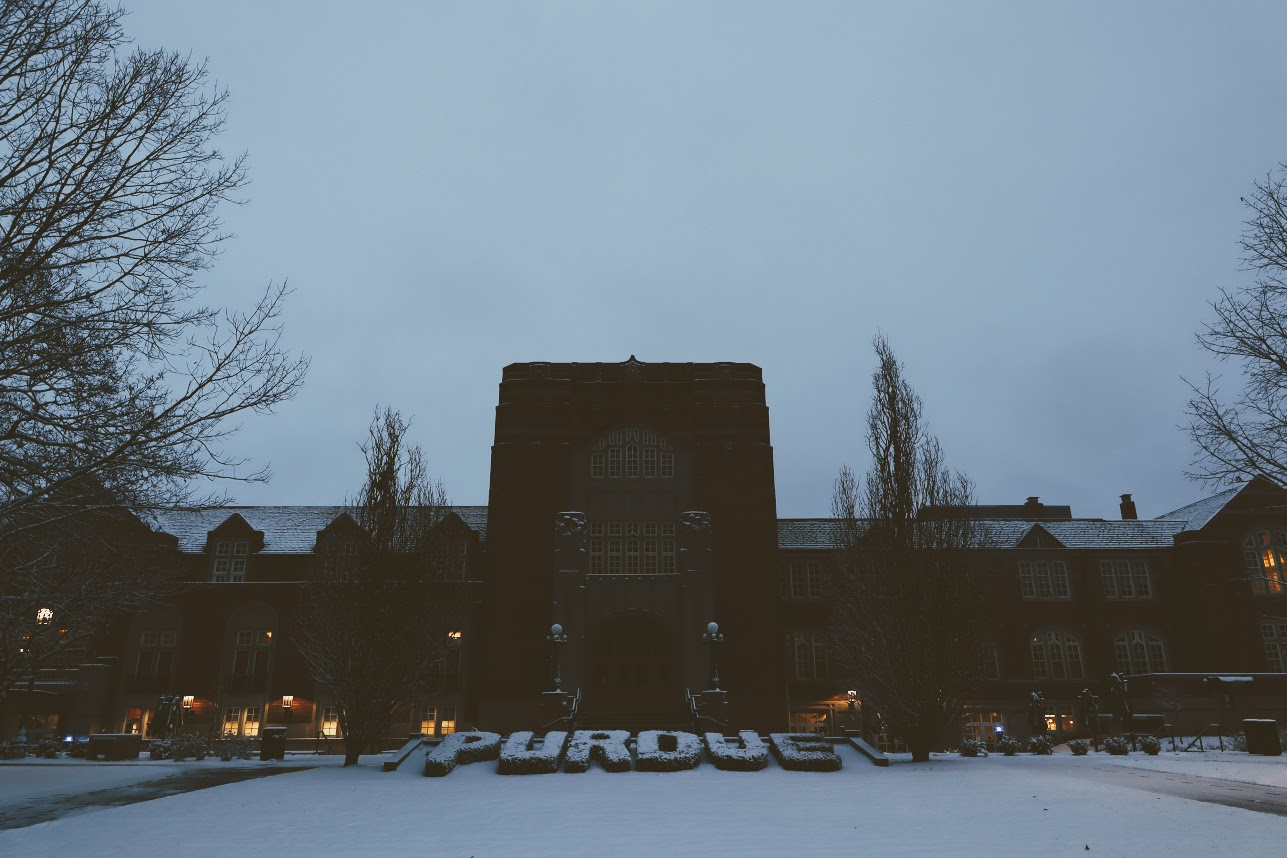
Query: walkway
{"points": [[1263, 799], [33, 811]]}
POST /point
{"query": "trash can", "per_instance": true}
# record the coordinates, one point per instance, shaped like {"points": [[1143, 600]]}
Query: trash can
{"points": [[272, 745], [1262, 737]]}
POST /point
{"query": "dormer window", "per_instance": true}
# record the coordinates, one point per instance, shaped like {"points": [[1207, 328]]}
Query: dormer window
{"points": [[632, 454], [230, 562], [1264, 553]]}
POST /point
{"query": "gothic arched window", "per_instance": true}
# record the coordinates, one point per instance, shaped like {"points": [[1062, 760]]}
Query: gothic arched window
{"points": [[632, 454], [1139, 652], [1056, 655]]}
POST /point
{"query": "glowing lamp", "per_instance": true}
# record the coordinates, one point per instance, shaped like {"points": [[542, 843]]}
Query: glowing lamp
{"points": [[288, 700]]}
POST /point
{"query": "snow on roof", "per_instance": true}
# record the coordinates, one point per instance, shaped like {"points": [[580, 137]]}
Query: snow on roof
{"points": [[286, 529], [1197, 514], [821, 533]]}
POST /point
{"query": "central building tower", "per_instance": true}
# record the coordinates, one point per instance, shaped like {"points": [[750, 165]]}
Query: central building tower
{"points": [[632, 503]]}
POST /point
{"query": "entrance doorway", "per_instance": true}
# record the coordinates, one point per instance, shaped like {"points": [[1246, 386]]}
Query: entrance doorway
{"points": [[634, 666]]}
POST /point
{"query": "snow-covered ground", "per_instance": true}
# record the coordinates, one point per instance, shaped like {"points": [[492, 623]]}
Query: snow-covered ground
{"points": [[950, 806], [1233, 766]]}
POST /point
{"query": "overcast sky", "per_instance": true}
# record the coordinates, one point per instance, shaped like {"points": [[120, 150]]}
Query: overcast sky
{"points": [[1034, 201]]}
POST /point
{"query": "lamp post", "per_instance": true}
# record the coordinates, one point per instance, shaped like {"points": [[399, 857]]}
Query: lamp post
{"points": [[556, 639], [714, 638]]}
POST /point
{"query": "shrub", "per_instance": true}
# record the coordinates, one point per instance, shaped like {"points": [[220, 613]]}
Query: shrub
{"points": [[12, 751], [78, 750], [667, 751], [1150, 745], [471, 747], [606, 746], [1117, 746], [48, 749], [1008, 745], [1079, 747], [188, 746], [159, 749], [804, 752], [1237, 742], [751, 757], [973, 748], [235, 747], [519, 757], [1041, 745]]}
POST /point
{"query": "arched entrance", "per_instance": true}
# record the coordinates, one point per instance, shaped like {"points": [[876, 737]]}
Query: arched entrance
{"points": [[634, 666]]}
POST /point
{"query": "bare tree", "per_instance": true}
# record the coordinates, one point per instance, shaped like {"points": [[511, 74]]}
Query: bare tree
{"points": [[910, 623], [374, 621], [66, 585], [111, 376], [1247, 434]]}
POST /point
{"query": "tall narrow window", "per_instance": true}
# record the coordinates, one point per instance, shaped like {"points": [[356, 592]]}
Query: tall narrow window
{"points": [[1274, 636], [631, 454], [1264, 554], [448, 719], [230, 562], [330, 721]]}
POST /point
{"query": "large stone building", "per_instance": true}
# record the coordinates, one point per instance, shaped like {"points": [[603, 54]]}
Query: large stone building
{"points": [[632, 504]]}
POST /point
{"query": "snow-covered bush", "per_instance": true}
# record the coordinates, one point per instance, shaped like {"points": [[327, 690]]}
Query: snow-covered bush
{"points": [[606, 746], [234, 748], [1008, 745], [158, 749], [1041, 745], [1150, 745], [12, 751], [752, 756], [189, 746], [1117, 746], [78, 750], [518, 756], [973, 748], [667, 751], [1079, 747], [469, 747], [47, 749], [804, 752], [1238, 741]]}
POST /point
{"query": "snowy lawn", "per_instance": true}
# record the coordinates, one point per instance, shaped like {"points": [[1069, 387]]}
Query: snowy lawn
{"points": [[1229, 765], [950, 806]]}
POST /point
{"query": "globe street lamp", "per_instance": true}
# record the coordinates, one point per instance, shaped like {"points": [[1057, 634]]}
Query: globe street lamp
{"points": [[556, 639], [714, 638]]}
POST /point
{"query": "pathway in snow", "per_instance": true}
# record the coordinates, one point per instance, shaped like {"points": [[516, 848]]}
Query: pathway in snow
{"points": [[1263, 799], [20, 814]]}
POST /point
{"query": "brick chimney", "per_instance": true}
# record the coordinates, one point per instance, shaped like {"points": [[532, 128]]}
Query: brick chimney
{"points": [[1128, 509], [1033, 503]]}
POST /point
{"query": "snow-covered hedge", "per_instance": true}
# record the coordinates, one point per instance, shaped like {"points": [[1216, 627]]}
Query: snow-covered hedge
{"points": [[1079, 747], [751, 757], [1150, 745], [472, 747], [520, 757], [804, 752], [1041, 745], [1008, 745], [973, 748], [606, 746], [1117, 746], [667, 751]]}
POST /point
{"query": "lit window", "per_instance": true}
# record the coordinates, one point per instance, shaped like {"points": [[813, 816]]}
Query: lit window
{"points": [[429, 720], [1059, 718], [251, 725], [983, 726], [1139, 652], [1042, 579], [330, 721], [1125, 579], [1264, 555], [44, 616], [1056, 655], [1275, 639], [809, 721], [232, 721], [448, 720]]}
